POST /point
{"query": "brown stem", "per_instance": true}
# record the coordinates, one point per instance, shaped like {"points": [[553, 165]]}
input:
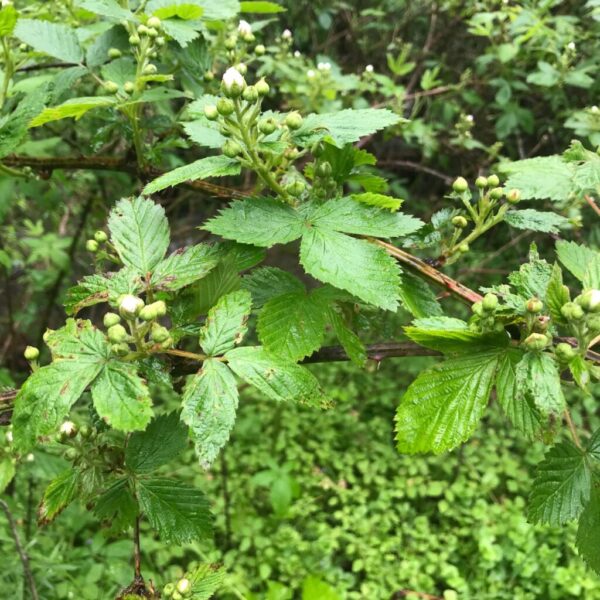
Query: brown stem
{"points": [[572, 429], [376, 352], [137, 552], [593, 204], [27, 574], [428, 272]]}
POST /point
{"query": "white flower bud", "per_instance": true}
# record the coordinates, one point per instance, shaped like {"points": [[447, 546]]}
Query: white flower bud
{"points": [[233, 82], [68, 427], [297, 54], [30, 457], [244, 28], [9, 437], [310, 73], [595, 109], [287, 34], [130, 306], [369, 69], [469, 118], [571, 46]]}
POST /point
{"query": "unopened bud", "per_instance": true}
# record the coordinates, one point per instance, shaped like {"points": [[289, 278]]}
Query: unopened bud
{"points": [[481, 182], [590, 301], [225, 106], [564, 352], [231, 149], [493, 180], [536, 341], [154, 22], [572, 311], [267, 126], [117, 334], [129, 87], [293, 120], [250, 94], [233, 83], [114, 53], [111, 87], [534, 305], [513, 196], [259, 50], [262, 87], [460, 185], [295, 188], [496, 193], [111, 319], [159, 333], [459, 221], [100, 237], [130, 306], [31, 353], [490, 302]]}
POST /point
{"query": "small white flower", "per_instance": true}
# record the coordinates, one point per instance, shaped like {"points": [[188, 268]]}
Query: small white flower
{"points": [[324, 66], [184, 585], [310, 74], [6, 3], [244, 28], [595, 109], [9, 437], [287, 34], [571, 46], [232, 77], [68, 427], [469, 118], [297, 54], [131, 305], [369, 68], [30, 457]]}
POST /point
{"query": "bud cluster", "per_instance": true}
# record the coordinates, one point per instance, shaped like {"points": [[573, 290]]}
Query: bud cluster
{"points": [[181, 589], [486, 317], [583, 318]]}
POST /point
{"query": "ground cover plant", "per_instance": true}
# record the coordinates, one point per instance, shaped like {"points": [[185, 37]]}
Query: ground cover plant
{"points": [[209, 208]]}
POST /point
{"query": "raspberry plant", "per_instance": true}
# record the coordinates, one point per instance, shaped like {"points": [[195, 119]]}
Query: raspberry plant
{"points": [[201, 320]]}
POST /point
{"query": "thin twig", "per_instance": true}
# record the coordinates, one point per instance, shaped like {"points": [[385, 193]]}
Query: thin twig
{"points": [[593, 204], [572, 429], [27, 574], [137, 552], [413, 166]]}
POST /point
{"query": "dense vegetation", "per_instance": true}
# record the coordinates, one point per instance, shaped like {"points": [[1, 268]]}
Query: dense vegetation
{"points": [[299, 300]]}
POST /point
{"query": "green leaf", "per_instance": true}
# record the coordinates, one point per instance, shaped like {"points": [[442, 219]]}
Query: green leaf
{"points": [[140, 232], [178, 513], [267, 282], [45, 399], [356, 266], [183, 267], [55, 39], [144, 454], [535, 220], [185, 11], [347, 216], [75, 108], [7, 472], [588, 533], [204, 133], [261, 6], [258, 221], [417, 297], [581, 261], [532, 278], [351, 343], [538, 381], [210, 402], [345, 126], [107, 8], [541, 177], [276, 378], [117, 504], [561, 487], [219, 11], [452, 336], [593, 445], [8, 20], [211, 166], [292, 325], [378, 200], [206, 580], [60, 492], [183, 32], [97, 288], [316, 589], [121, 398], [442, 407], [225, 324], [521, 410], [557, 295]]}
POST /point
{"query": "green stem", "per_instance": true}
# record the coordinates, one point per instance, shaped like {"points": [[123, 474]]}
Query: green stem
{"points": [[8, 70]]}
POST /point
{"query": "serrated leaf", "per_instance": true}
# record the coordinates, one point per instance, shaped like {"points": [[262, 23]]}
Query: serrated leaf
{"points": [[538, 381], [183, 32], [292, 325], [117, 504], [225, 324], [7, 472], [345, 126], [183, 10], [8, 19], [581, 261], [442, 407], [257, 221], [417, 297], [144, 455], [521, 410], [183, 267], [204, 133], [561, 487], [73, 108], [46, 397], [379, 200], [260, 6], [588, 532], [206, 580], [97, 288], [267, 282], [210, 402], [532, 278], [540, 177], [593, 445], [211, 166], [535, 220], [107, 8], [557, 295], [55, 39], [452, 336], [278, 379], [140, 233], [178, 513], [351, 343], [61, 491], [356, 266], [347, 216], [121, 398]]}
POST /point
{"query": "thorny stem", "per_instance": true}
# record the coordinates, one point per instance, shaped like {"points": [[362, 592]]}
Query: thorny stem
{"points": [[21, 551]]}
